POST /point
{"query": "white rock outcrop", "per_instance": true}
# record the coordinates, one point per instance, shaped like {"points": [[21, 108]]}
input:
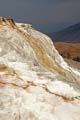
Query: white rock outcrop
{"points": [[35, 82]]}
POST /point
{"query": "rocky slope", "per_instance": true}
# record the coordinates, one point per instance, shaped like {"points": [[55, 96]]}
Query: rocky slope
{"points": [[35, 82]]}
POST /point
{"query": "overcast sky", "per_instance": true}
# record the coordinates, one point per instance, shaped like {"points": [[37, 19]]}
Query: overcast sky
{"points": [[45, 15]]}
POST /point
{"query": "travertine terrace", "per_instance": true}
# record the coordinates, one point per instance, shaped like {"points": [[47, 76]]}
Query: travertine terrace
{"points": [[35, 82]]}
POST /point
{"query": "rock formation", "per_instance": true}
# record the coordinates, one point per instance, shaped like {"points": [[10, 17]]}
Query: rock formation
{"points": [[35, 82]]}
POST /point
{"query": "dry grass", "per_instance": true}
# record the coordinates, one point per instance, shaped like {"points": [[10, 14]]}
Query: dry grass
{"points": [[71, 50]]}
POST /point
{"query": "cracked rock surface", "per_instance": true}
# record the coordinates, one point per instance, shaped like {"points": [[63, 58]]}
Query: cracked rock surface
{"points": [[35, 82]]}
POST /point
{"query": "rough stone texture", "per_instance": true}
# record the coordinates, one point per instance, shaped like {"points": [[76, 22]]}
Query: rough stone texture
{"points": [[35, 81]]}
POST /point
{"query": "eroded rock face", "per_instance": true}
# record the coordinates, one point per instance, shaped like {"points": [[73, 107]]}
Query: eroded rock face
{"points": [[35, 81]]}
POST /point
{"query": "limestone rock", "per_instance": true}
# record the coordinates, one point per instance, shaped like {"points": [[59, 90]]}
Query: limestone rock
{"points": [[35, 82]]}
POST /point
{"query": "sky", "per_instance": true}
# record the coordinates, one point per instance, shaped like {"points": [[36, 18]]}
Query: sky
{"points": [[44, 15]]}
